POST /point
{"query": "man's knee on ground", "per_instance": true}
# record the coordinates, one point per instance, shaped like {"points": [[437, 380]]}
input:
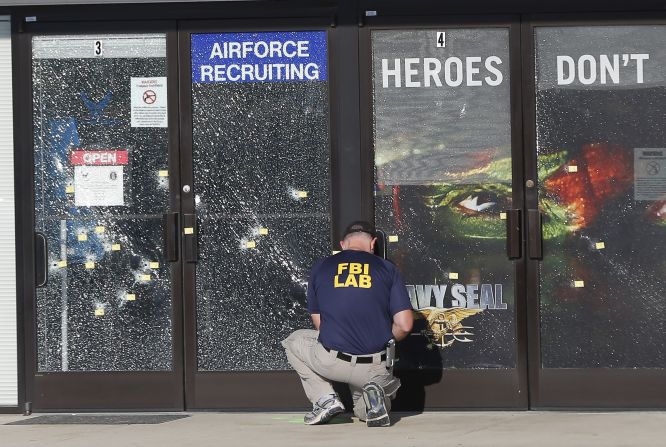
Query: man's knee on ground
{"points": [[359, 409]]}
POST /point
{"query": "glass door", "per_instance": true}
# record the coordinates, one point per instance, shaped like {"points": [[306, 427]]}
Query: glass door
{"points": [[107, 300], [600, 140], [444, 141], [257, 214]]}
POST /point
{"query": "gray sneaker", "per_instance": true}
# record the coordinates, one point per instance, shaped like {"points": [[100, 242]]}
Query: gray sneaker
{"points": [[324, 410], [376, 414]]}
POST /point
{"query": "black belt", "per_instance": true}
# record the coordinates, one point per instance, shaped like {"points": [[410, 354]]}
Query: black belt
{"points": [[359, 358]]}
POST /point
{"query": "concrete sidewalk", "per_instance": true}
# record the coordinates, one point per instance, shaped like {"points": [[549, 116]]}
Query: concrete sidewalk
{"points": [[496, 429]]}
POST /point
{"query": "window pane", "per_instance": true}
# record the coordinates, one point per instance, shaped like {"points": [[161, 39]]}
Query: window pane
{"points": [[99, 199], [261, 170], [601, 108]]}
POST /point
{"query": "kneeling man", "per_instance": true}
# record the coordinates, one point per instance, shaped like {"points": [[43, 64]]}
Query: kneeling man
{"points": [[359, 305]]}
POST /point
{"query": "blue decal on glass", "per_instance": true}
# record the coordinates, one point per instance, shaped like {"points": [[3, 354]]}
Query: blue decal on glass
{"points": [[96, 110], [259, 57], [62, 134]]}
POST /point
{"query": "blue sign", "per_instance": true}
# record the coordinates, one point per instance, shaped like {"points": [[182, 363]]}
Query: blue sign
{"points": [[259, 57]]}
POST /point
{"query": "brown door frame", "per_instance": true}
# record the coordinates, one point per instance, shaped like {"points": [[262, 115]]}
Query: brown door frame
{"points": [[61, 391], [575, 387], [460, 388]]}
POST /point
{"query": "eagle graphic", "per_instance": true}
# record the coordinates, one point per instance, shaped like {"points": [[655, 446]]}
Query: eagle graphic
{"points": [[96, 109], [444, 326]]}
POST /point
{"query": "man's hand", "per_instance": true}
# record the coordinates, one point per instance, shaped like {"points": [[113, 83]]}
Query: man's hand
{"points": [[316, 319], [402, 324]]}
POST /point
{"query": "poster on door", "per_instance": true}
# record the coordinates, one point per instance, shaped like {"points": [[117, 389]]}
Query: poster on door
{"points": [[149, 102], [98, 186], [98, 177], [442, 146], [600, 105]]}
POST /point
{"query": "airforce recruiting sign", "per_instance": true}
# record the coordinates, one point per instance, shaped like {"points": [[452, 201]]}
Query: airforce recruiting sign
{"points": [[259, 57]]}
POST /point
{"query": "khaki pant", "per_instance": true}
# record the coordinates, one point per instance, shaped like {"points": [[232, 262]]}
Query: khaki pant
{"points": [[318, 367]]}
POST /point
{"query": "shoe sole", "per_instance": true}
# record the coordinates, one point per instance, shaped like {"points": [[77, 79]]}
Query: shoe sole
{"points": [[382, 420]]}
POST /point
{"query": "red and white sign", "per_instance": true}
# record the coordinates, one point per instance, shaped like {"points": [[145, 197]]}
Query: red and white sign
{"points": [[98, 157]]}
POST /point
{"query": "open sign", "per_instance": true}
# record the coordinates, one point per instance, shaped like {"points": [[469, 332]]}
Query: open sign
{"points": [[98, 157]]}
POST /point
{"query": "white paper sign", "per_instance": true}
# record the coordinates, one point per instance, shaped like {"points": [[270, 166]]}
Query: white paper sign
{"points": [[650, 174], [149, 102], [98, 186]]}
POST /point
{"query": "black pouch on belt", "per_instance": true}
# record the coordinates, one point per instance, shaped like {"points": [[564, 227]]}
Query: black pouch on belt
{"points": [[390, 353]]}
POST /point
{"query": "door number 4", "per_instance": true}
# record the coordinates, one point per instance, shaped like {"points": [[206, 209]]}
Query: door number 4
{"points": [[441, 39], [98, 48]]}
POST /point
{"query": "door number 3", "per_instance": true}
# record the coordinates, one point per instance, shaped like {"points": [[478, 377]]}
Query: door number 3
{"points": [[98, 48]]}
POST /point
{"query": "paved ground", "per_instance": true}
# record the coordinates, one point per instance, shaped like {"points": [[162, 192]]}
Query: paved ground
{"points": [[496, 429]]}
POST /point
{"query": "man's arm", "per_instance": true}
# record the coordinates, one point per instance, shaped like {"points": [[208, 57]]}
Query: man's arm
{"points": [[402, 324], [316, 319]]}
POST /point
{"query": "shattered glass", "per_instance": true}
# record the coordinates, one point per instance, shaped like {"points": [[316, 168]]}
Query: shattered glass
{"points": [[442, 145], [107, 305], [261, 184], [603, 275]]}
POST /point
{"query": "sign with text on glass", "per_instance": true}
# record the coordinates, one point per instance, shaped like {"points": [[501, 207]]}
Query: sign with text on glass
{"points": [[287, 56]]}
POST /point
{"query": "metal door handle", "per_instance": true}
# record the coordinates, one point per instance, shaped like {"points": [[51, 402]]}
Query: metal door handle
{"points": [[170, 224], [535, 239], [380, 244], [41, 260], [190, 246], [513, 234]]}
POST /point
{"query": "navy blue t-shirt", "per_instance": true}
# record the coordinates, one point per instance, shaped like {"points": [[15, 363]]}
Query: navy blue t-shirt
{"points": [[357, 294]]}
